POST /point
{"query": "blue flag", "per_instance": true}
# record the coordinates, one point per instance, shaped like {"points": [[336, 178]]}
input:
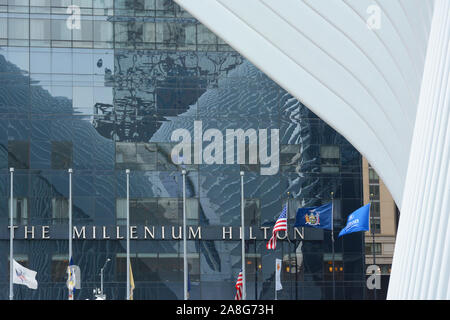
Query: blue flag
{"points": [[358, 220], [315, 217]]}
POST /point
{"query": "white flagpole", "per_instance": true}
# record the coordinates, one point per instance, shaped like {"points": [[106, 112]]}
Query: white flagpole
{"points": [[70, 225], [11, 236], [70, 214], [276, 296], [183, 172], [372, 225], [128, 234], [244, 282]]}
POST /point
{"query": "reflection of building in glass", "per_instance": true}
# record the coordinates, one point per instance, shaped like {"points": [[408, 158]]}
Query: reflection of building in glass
{"points": [[106, 98], [150, 86]]}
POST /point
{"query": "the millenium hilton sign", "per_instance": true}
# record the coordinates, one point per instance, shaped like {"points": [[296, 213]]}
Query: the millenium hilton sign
{"points": [[143, 232]]}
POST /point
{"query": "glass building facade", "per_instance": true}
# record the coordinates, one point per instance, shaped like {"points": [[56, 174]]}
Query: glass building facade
{"points": [[99, 86]]}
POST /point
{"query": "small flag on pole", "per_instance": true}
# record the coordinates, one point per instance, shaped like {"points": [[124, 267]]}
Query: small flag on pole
{"points": [[22, 275], [358, 220], [280, 225], [73, 278], [131, 283], [239, 284], [320, 217], [278, 285]]}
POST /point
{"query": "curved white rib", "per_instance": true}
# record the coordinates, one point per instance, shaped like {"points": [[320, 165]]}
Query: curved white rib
{"points": [[422, 255], [364, 83]]}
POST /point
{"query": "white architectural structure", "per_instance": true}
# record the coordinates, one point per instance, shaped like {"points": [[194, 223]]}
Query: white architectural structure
{"points": [[359, 64], [421, 264]]}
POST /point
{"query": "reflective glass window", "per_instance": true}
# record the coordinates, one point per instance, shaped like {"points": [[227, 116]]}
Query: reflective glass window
{"points": [[62, 154], [3, 27], [170, 33], [40, 29], [330, 158], [252, 212], [59, 267], [102, 3], [84, 33], [18, 28], [169, 210], [60, 210], [290, 154], [375, 225], [142, 211], [205, 36], [40, 3], [373, 176], [370, 248], [20, 210], [338, 268], [60, 30], [375, 209], [103, 31], [136, 156], [149, 30], [374, 191], [18, 154]]}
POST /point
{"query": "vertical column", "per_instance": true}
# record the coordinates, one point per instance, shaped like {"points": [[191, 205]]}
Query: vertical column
{"points": [[374, 252], [70, 214], [11, 235], [244, 280], [128, 233], [70, 233], [185, 265]]}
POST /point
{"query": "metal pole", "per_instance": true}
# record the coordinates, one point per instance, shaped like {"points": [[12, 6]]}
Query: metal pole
{"points": [[332, 241], [70, 226], [185, 265], [70, 214], [289, 245], [128, 234], [101, 277], [275, 282], [295, 257], [373, 247], [101, 281], [11, 236], [244, 282], [296, 269], [256, 275]]}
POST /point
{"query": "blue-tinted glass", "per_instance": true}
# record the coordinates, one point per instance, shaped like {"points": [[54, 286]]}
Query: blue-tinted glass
{"points": [[107, 97]]}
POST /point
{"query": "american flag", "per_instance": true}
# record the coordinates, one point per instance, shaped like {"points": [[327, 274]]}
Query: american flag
{"points": [[280, 225], [239, 287]]}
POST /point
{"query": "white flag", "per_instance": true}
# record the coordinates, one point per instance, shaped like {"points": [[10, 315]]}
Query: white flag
{"points": [[22, 275], [277, 274]]}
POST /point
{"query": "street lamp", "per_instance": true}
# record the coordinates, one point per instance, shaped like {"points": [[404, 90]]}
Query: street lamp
{"points": [[101, 277]]}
